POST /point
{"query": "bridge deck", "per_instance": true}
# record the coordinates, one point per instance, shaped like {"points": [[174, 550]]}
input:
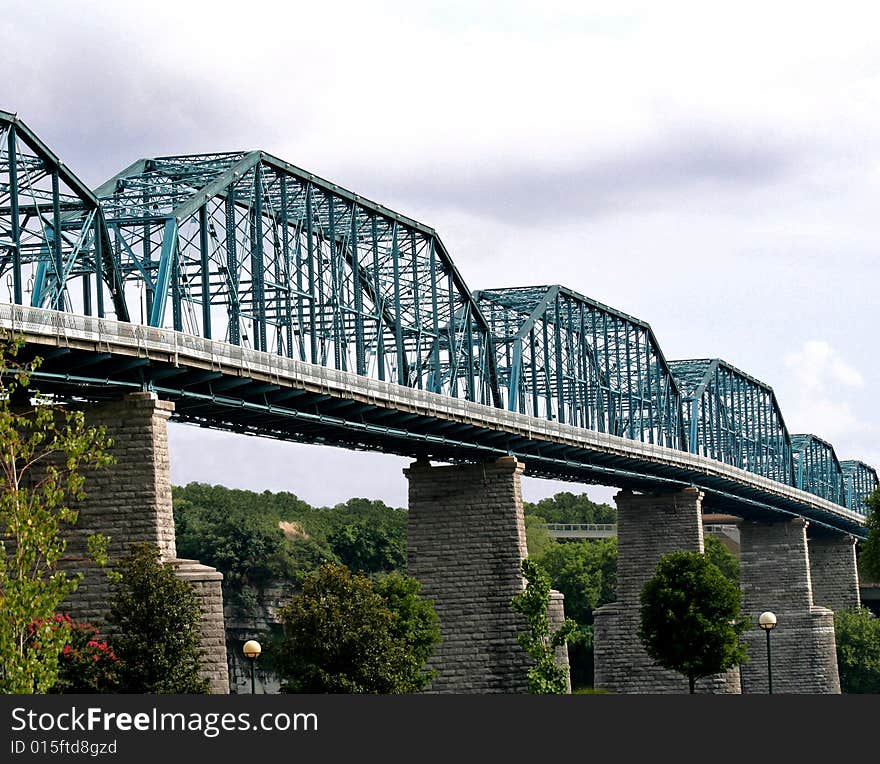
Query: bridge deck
{"points": [[225, 386]]}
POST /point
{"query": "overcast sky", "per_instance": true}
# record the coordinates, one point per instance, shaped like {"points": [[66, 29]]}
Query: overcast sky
{"points": [[711, 168]]}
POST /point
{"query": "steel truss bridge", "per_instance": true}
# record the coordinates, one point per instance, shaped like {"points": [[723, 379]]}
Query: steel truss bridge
{"points": [[263, 299]]}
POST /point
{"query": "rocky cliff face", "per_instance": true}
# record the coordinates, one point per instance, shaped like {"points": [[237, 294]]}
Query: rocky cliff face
{"points": [[253, 615]]}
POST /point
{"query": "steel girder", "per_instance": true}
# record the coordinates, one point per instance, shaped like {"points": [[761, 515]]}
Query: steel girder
{"points": [[860, 481], [733, 418], [54, 248], [246, 248], [563, 356], [817, 468]]}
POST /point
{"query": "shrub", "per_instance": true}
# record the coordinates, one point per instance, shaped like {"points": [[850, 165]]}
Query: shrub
{"points": [[155, 626]]}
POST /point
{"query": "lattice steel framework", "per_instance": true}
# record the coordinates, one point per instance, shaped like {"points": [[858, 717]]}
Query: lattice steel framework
{"points": [[859, 481], [733, 418], [246, 248], [817, 468], [54, 249], [563, 356]]}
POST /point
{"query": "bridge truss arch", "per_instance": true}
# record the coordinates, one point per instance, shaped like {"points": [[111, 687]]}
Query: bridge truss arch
{"points": [[562, 356], [246, 248], [860, 481], [54, 248], [817, 468], [734, 418]]}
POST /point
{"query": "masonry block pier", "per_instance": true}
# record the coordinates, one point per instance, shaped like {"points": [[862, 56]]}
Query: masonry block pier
{"points": [[775, 575], [834, 574], [648, 526], [131, 502], [466, 545]]}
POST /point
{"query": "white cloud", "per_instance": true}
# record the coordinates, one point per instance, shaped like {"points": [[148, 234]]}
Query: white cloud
{"points": [[822, 400], [817, 366]]}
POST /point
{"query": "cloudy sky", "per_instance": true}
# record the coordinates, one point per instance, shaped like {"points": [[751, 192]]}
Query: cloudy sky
{"points": [[711, 168]]}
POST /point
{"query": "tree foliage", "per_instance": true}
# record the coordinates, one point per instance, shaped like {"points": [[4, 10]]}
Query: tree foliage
{"points": [[44, 451], [857, 633], [720, 556], [869, 551], [88, 663], [545, 676], [254, 538], [586, 573], [345, 633], [538, 539], [566, 507], [154, 623], [690, 617]]}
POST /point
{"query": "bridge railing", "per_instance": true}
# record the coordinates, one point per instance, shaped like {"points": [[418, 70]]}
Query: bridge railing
{"points": [[165, 345]]}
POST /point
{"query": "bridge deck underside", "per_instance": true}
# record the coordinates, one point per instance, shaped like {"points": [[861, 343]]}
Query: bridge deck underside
{"points": [[232, 400]]}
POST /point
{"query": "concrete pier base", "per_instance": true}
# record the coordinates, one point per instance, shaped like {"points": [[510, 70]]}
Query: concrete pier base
{"points": [[834, 573], [131, 502], [775, 576], [648, 526], [466, 545]]}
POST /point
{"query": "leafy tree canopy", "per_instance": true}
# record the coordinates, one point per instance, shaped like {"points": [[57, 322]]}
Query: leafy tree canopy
{"points": [[538, 540], [720, 556], [857, 633], [254, 538], [155, 626], [690, 617], [585, 572], [545, 675], [45, 451], [869, 550], [344, 632], [567, 507]]}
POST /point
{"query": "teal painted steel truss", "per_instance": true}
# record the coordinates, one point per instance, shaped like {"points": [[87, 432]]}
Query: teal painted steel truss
{"points": [[733, 418], [859, 481], [565, 357], [817, 468], [54, 249], [246, 248]]}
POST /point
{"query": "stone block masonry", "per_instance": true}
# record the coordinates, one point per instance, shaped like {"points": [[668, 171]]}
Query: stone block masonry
{"points": [[131, 502], [648, 526], [775, 575], [466, 545], [833, 571]]}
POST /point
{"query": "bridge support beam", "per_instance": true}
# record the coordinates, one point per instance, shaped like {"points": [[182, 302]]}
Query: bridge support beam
{"points": [[466, 545], [775, 576], [648, 526], [834, 573], [131, 502]]}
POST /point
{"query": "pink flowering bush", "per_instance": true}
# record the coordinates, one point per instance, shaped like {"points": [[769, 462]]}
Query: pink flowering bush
{"points": [[87, 663]]}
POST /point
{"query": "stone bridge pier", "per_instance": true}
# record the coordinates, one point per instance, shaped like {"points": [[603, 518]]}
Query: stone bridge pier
{"points": [[466, 545], [131, 502], [648, 526], [799, 581]]}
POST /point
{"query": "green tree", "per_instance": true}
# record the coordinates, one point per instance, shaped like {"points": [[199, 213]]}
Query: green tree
{"points": [[538, 539], [368, 536], [566, 507], [690, 617], [586, 573], [155, 626], [545, 676], [720, 556], [44, 451], [869, 551], [857, 633], [345, 633]]}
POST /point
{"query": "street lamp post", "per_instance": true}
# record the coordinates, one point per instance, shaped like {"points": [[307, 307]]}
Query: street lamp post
{"points": [[767, 621], [252, 650]]}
